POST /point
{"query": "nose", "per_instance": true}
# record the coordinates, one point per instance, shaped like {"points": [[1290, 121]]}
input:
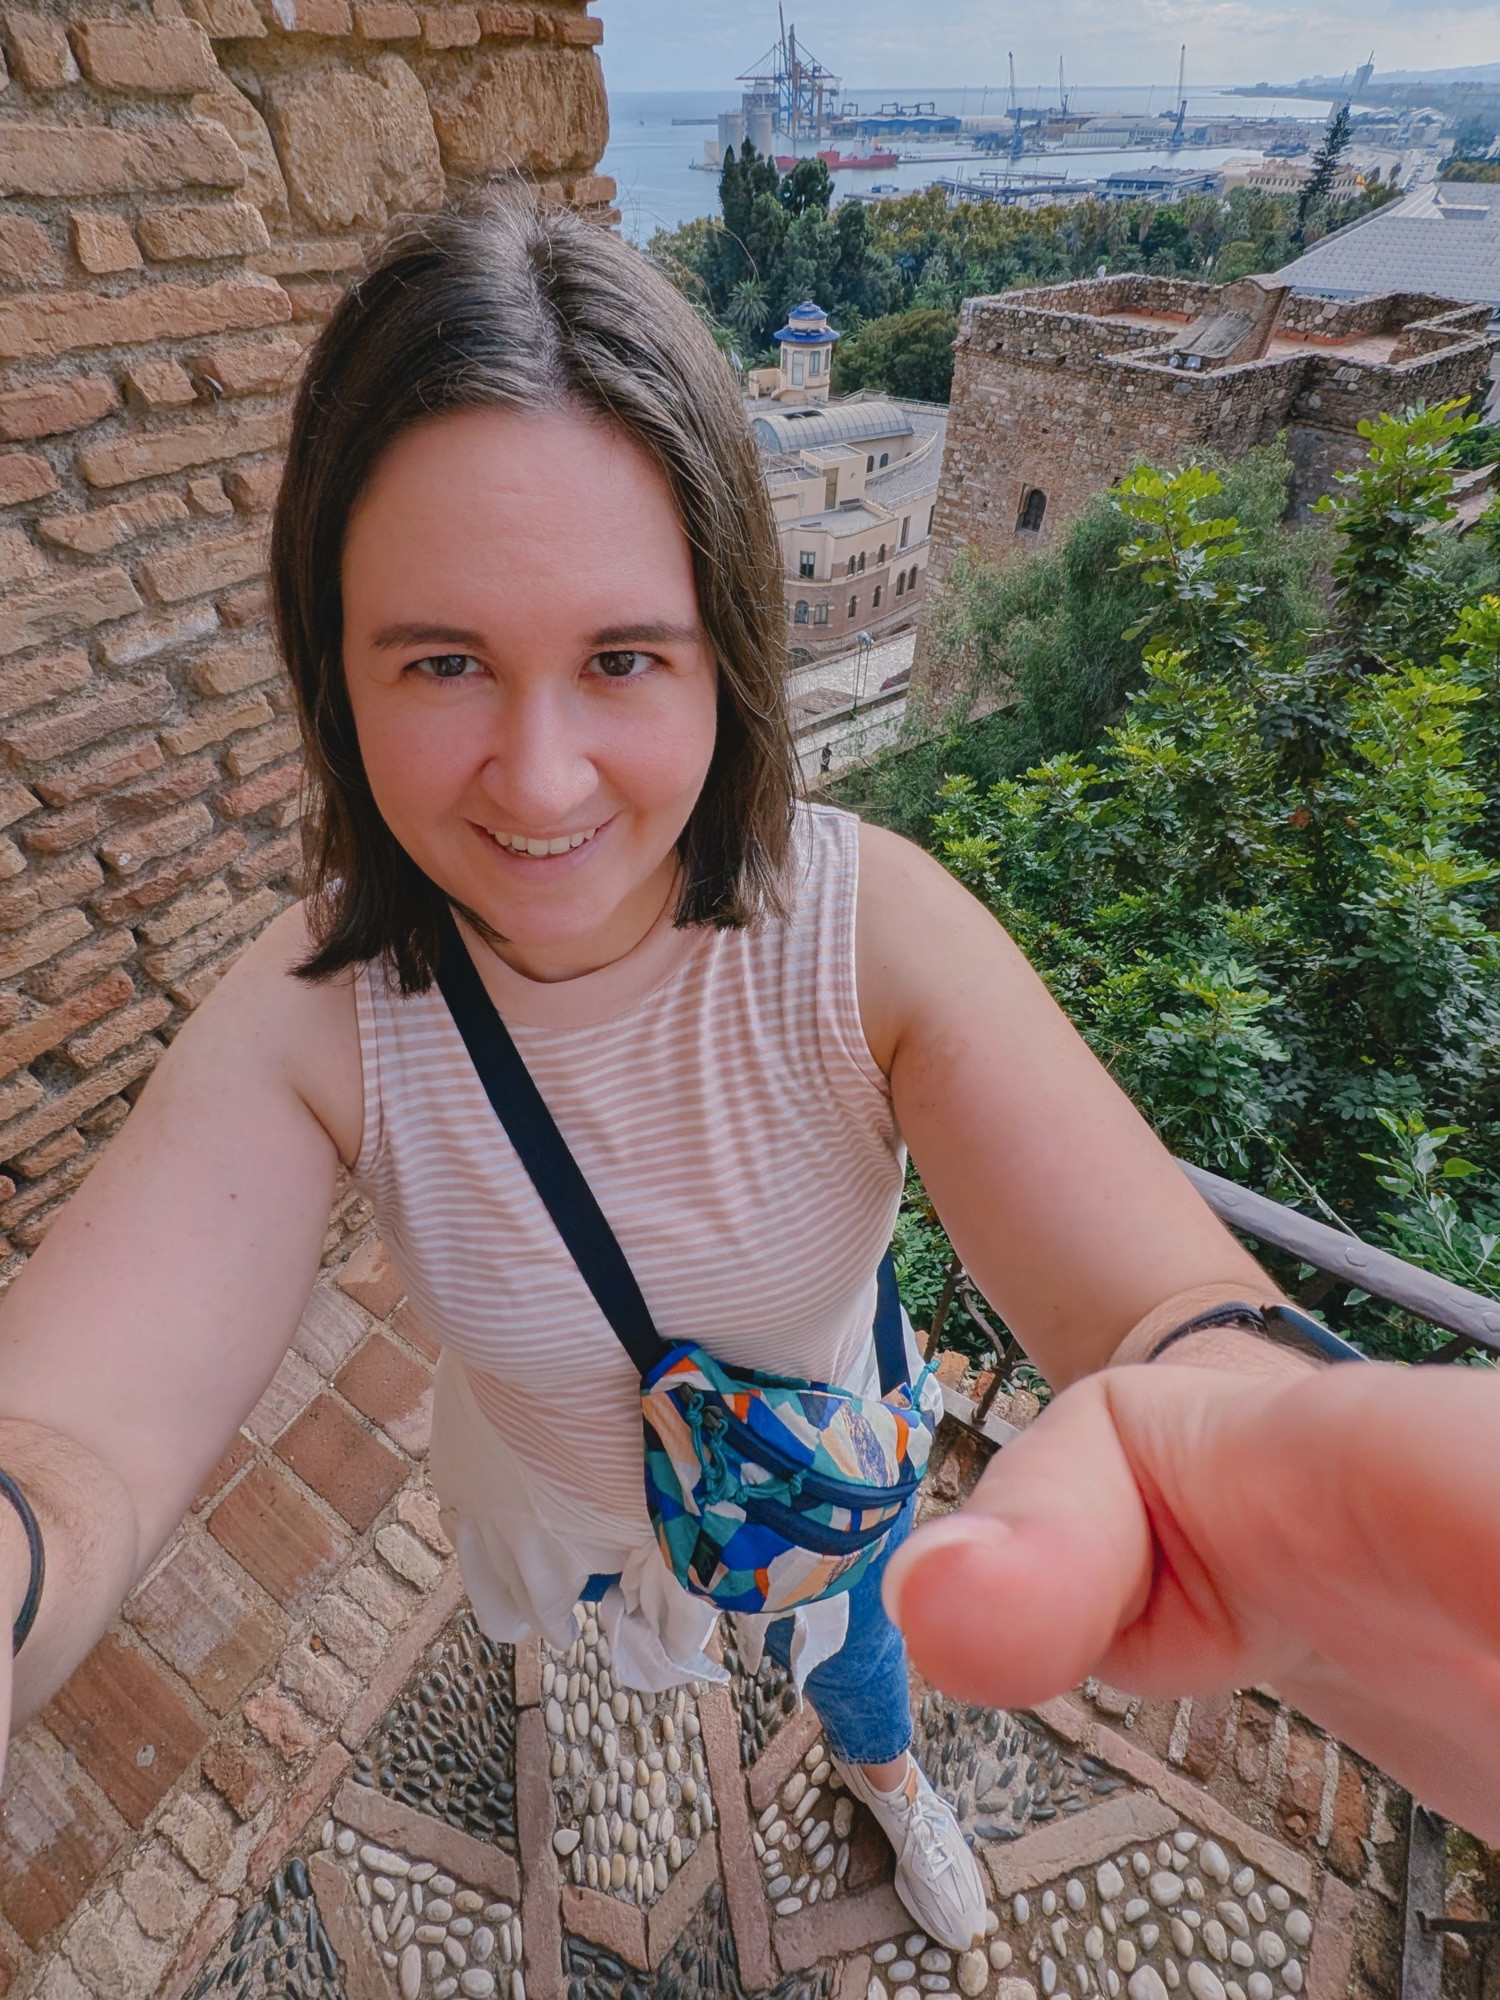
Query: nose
{"points": [[539, 772]]}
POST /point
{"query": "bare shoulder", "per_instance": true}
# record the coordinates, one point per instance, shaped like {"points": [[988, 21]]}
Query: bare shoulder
{"points": [[285, 1030], [919, 935]]}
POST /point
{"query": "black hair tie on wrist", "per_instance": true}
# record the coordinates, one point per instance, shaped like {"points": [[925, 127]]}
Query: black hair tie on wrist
{"points": [[26, 1616]]}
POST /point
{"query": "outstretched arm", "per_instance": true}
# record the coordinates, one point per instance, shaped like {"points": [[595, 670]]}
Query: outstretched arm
{"points": [[158, 1307], [1069, 1213]]}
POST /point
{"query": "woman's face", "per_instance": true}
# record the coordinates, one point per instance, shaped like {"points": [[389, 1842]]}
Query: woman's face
{"points": [[534, 692]]}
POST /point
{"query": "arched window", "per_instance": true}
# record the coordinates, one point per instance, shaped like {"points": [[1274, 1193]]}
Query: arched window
{"points": [[911, 581], [853, 606], [861, 562], [931, 516], [851, 565], [901, 584], [1033, 511], [799, 616], [880, 558], [870, 463], [885, 458], [875, 600]]}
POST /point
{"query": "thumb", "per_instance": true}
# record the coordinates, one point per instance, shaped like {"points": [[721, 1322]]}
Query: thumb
{"points": [[1019, 1596]]}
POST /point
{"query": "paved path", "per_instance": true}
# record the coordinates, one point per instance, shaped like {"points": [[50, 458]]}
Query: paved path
{"points": [[296, 1771]]}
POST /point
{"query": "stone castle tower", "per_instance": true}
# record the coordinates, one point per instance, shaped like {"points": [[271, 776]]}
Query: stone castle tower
{"points": [[1059, 391]]}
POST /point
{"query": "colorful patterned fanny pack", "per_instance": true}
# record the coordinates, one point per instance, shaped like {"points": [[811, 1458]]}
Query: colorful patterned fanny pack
{"points": [[765, 1493]]}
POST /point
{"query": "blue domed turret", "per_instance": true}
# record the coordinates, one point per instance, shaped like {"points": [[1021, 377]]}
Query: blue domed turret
{"points": [[806, 353]]}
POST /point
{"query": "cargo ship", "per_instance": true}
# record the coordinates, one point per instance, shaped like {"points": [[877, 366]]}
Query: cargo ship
{"points": [[837, 162]]}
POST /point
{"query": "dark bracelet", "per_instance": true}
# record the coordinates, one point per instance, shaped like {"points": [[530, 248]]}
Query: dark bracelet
{"points": [[1283, 1326], [26, 1616]]}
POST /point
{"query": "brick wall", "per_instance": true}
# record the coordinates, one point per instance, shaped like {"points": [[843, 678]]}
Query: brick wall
{"points": [[1049, 394], [186, 190]]}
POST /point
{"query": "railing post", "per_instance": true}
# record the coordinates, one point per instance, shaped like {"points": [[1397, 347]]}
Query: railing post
{"points": [[1426, 1893]]}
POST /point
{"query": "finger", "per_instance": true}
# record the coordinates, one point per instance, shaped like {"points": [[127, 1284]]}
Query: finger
{"points": [[1016, 1598]]}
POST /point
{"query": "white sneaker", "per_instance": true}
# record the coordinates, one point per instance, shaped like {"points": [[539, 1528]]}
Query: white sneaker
{"points": [[937, 1877]]}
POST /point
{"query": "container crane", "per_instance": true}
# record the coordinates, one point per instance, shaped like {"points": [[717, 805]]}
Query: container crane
{"points": [[802, 90], [1013, 112], [1176, 139]]}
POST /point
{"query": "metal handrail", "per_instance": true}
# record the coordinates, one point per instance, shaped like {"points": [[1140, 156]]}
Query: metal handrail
{"points": [[1472, 1318]]}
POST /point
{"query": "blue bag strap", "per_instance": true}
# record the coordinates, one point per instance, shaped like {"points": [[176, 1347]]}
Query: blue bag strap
{"points": [[543, 1151], [890, 1336]]}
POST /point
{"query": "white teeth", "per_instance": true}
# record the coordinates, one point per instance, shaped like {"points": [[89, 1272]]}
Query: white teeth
{"points": [[522, 843]]}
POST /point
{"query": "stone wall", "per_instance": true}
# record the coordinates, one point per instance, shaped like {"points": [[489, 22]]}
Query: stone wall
{"points": [[1050, 394], [185, 190]]}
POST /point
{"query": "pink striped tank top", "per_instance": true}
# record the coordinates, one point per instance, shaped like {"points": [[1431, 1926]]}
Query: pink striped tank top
{"points": [[717, 1090]]}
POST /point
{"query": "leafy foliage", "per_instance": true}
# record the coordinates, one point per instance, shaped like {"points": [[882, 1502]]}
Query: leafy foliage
{"points": [[905, 354], [1267, 892]]}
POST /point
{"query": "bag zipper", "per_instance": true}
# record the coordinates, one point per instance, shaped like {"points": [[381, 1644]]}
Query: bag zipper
{"points": [[804, 1532], [836, 1492]]}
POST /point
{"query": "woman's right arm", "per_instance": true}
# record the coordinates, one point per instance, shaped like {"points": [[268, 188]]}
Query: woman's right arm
{"points": [[149, 1322]]}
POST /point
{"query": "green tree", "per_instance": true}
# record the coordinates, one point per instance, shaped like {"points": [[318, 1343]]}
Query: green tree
{"points": [[1325, 164], [903, 354], [1058, 638], [746, 310], [1268, 896], [1388, 578], [808, 185]]}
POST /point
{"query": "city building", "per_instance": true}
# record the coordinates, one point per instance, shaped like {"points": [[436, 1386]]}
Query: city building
{"points": [[1442, 239], [853, 484], [1058, 392], [1289, 177]]}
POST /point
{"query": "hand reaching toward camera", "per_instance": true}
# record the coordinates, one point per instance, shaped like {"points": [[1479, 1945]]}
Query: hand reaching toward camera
{"points": [[1177, 1530]]}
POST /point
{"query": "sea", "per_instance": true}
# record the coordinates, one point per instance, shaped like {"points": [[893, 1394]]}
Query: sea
{"points": [[652, 152]]}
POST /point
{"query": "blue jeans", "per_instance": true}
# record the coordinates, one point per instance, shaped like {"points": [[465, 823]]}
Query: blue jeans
{"points": [[861, 1694]]}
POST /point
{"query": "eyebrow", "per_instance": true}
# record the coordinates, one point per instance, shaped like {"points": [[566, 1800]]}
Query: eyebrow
{"points": [[390, 636], [612, 636]]}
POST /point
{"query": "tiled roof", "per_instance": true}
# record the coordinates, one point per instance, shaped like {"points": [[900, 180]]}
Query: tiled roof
{"points": [[1443, 239]]}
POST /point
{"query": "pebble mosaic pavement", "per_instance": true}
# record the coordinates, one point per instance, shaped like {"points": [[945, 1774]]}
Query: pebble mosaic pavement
{"points": [[473, 1821], [1100, 1886]]}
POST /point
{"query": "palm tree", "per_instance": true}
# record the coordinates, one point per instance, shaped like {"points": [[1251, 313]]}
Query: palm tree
{"points": [[747, 305]]}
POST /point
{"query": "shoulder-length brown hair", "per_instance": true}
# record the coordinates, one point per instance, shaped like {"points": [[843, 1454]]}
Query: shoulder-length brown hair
{"points": [[527, 308]]}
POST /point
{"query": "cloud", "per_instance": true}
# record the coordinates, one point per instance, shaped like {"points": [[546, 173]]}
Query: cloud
{"points": [[702, 44]]}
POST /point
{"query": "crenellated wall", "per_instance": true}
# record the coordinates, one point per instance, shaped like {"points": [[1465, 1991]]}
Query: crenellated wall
{"points": [[1059, 391], [182, 194]]}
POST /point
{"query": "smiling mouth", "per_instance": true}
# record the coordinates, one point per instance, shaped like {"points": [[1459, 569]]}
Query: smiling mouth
{"points": [[525, 843]]}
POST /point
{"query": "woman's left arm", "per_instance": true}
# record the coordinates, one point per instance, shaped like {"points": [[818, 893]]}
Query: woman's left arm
{"points": [[1068, 1212]]}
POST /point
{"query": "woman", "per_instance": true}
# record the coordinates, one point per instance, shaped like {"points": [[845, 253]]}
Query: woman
{"points": [[528, 588]]}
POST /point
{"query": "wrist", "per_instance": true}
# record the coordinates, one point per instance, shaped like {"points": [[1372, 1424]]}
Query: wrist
{"points": [[16, 1568], [1239, 1350]]}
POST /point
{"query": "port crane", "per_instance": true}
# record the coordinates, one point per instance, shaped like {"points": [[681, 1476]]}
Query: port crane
{"points": [[805, 91], [1013, 112], [1176, 139]]}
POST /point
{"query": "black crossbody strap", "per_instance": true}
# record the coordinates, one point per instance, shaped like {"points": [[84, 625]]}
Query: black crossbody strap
{"points": [[543, 1151], [890, 1339]]}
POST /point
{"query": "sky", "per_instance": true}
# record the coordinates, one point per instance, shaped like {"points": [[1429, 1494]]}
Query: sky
{"points": [[702, 44]]}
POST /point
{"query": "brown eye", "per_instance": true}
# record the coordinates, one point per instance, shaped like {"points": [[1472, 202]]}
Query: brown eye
{"points": [[622, 666], [446, 666]]}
